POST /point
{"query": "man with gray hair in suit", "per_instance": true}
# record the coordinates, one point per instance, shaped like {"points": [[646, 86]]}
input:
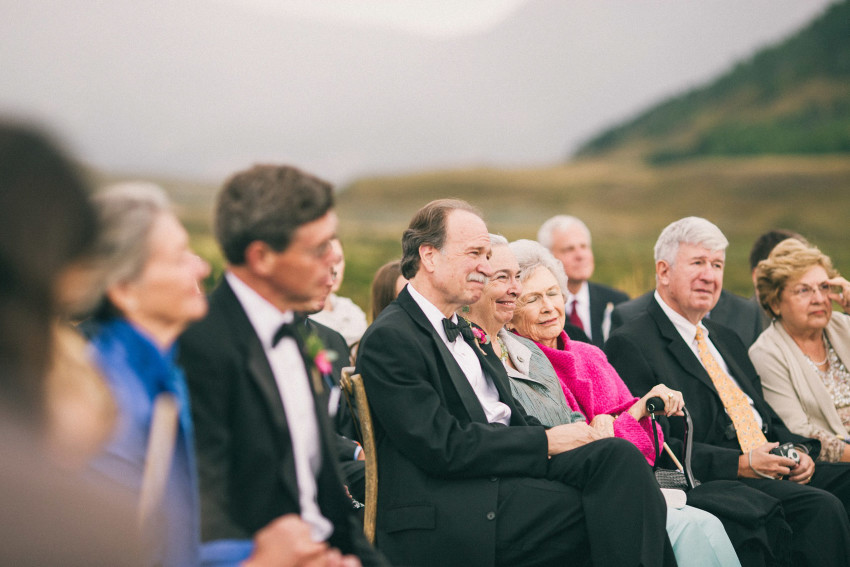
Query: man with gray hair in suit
{"points": [[589, 304]]}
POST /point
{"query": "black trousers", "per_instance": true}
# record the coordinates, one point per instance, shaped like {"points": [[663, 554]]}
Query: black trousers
{"points": [[599, 505], [817, 514]]}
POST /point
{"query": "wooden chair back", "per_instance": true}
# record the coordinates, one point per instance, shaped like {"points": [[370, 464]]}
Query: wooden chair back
{"points": [[355, 395]]}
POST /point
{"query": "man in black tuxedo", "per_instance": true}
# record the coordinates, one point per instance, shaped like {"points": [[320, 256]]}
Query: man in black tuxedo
{"points": [[589, 304], [734, 428], [258, 381], [739, 314], [465, 477], [350, 455]]}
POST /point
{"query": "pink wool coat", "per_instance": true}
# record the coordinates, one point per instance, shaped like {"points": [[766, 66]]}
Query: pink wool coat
{"points": [[593, 387]]}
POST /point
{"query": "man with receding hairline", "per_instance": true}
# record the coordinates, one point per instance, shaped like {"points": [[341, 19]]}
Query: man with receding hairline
{"points": [[466, 477]]}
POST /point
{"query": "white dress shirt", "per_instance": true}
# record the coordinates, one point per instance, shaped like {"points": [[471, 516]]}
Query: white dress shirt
{"points": [[485, 390], [688, 331], [292, 384]]}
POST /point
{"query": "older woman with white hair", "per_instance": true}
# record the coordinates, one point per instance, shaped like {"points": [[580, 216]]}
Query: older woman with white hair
{"points": [[698, 538], [147, 292], [589, 382]]}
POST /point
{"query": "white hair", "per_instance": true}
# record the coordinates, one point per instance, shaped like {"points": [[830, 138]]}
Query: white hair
{"points": [[126, 213], [559, 222], [498, 240], [531, 255], [690, 230]]}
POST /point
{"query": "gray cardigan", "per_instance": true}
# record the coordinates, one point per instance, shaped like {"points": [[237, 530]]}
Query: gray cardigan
{"points": [[791, 386], [536, 386]]}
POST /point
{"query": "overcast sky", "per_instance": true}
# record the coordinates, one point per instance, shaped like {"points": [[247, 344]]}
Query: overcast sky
{"points": [[343, 88]]}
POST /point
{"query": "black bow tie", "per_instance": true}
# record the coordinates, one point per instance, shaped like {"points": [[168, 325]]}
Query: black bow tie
{"points": [[287, 330], [459, 328]]}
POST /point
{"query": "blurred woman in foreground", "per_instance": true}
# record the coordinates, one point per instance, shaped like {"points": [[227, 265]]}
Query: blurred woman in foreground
{"points": [[802, 356], [147, 293]]}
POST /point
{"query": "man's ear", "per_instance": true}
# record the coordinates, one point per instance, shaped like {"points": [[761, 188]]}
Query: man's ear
{"points": [[260, 258], [662, 272], [427, 258]]}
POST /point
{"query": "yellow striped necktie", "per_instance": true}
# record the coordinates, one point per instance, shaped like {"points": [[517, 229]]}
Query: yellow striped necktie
{"points": [[733, 398]]}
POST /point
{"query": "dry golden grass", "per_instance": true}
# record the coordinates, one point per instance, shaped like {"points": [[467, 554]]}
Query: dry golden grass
{"points": [[625, 203]]}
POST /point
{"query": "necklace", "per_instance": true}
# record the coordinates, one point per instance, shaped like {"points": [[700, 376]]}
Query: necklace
{"points": [[826, 347], [503, 348], [818, 363]]}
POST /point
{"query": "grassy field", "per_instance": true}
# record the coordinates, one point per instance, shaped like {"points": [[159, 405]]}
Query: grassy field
{"points": [[625, 203]]}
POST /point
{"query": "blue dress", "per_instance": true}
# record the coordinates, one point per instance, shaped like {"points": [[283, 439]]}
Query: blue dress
{"points": [[137, 371]]}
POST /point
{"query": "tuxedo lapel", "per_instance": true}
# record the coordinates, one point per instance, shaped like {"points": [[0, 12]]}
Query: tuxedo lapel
{"points": [[459, 381], [677, 347], [492, 367], [597, 309], [260, 371]]}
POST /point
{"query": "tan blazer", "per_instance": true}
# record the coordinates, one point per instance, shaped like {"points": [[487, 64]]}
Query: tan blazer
{"points": [[791, 385]]}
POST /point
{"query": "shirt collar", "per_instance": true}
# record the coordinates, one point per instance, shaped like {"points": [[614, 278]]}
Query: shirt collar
{"points": [[265, 317], [432, 313], [687, 329]]}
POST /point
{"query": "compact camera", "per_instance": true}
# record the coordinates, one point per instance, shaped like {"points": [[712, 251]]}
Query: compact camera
{"points": [[787, 450]]}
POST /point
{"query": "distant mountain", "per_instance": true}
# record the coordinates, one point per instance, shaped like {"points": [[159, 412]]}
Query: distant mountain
{"points": [[793, 98]]}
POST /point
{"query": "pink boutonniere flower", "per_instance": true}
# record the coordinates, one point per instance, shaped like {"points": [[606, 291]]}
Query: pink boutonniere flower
{"points": [[480, 336], [322, 359], [322, 362]]}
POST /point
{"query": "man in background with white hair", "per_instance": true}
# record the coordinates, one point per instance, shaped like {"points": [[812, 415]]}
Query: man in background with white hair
{"points": [[589, 304], [735, 430]]}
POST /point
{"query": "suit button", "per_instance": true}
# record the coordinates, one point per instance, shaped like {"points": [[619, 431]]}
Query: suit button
{"points": [[521, 359], [494, 478], [491, 515]]}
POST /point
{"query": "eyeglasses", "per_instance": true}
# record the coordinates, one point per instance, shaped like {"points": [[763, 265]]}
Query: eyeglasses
{"points": [[805, 292]]}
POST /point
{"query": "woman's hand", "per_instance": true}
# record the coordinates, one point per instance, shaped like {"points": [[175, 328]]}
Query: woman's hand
{"points": [[842, 296], [604, 424], [803, 471], [673, 402]]}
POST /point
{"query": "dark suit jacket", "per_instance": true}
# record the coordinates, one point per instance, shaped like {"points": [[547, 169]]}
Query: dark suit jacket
{"points": [[341, 419], [245, 461], [439, 460], [648, 350], [731, 311], [353, 472], [600, 297]]}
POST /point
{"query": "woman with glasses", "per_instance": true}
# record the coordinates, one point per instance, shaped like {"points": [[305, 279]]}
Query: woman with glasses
{"points": [[802, 356]]}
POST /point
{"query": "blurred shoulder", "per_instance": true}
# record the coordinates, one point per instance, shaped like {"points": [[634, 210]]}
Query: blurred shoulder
{"points": [[607, 293]]}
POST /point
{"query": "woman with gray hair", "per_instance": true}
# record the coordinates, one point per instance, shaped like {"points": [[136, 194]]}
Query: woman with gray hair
{"points": [[698, 538], [148, 291], [589, 382], [802, 356]]}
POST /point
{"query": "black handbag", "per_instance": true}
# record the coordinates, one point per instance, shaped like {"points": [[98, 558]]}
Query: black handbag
{"points": [[669, 478]]}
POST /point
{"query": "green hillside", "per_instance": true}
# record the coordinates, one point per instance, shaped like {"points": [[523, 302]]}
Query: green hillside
{"points": [[793, 98], [767, 145]]}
